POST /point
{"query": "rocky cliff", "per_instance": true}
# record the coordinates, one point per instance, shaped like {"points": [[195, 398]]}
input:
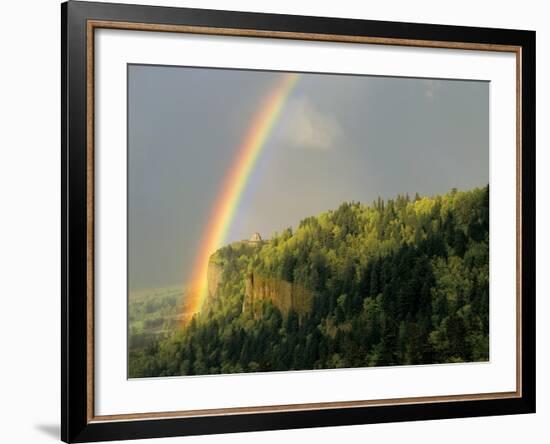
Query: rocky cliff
{"points": [[214, 277], [284, 295]]}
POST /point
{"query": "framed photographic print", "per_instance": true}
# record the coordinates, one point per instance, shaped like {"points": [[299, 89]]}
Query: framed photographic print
{"points": [[275, 221]]}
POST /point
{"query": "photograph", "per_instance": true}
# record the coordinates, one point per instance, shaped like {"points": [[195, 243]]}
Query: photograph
{"points": [[287, 221]]}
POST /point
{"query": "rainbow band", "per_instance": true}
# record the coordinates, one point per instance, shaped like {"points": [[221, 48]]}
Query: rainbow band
{"points": [[233, 185]]}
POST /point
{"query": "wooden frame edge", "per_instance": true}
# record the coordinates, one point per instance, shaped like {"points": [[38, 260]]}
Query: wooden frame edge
{"points": [[90, 211], [336, 38], [283, 408]]}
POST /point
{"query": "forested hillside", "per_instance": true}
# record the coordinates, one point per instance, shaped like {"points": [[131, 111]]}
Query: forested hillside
{"points": [[402, 281]]}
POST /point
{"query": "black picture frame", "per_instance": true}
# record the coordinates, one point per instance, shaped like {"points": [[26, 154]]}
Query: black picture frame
{"points": [[76, 423]]}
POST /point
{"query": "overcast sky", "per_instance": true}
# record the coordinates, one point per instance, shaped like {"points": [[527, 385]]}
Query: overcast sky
{"points": [[340, 138]]}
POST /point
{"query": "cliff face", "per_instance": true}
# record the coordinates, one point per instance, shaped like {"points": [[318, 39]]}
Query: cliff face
{"points": [[214, 279], [284, 295]]}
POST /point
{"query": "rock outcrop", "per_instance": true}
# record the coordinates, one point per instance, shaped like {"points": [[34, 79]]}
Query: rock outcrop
{"points": [[214, 277], [284, 295]]}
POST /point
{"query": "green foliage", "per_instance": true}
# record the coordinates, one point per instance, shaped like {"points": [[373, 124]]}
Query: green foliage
{"points": [[397, 282]]}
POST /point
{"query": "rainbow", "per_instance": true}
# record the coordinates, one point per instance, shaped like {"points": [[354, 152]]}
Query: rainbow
{"points": [[233, 185]]}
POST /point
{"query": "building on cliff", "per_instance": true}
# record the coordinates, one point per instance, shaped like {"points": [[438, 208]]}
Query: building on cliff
{"points": [[255, 238]]}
